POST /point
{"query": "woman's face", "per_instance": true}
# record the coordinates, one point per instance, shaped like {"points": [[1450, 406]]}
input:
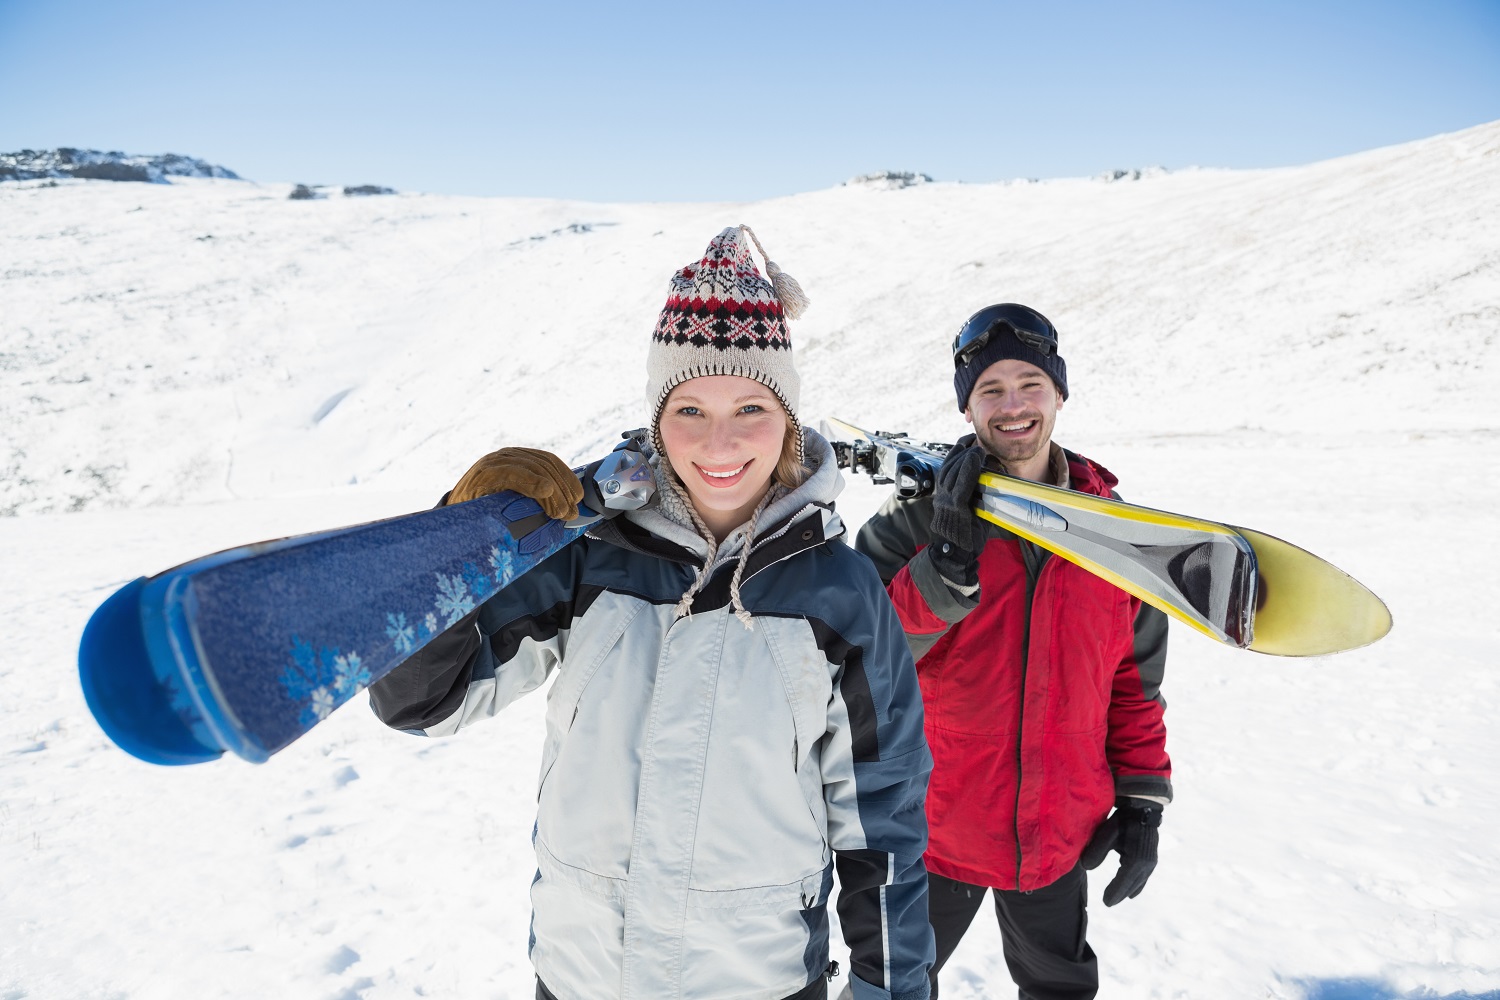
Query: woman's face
{"points": [[723, 434]]}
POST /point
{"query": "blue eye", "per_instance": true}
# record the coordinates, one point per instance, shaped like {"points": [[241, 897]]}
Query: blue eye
{"points": [[752, 408], [687, 411]]}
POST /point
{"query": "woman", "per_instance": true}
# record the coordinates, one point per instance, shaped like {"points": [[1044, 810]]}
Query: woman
{"points": [[735, 713]]}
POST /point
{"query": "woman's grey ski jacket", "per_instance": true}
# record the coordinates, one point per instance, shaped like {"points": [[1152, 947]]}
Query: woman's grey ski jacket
{"points": [[701, 781]]}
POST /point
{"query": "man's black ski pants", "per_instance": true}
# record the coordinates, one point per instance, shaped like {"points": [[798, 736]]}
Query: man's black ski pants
{"points": [[1043, 932]]}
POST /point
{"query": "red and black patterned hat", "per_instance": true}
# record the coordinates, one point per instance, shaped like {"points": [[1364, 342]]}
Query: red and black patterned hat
{"points": [[723, 318]]}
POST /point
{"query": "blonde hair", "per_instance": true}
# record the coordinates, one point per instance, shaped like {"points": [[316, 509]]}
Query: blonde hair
{"points": [[791, 471]]}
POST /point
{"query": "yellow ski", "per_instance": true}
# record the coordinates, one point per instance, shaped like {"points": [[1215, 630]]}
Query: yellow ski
{"points": [[1235, 585]]}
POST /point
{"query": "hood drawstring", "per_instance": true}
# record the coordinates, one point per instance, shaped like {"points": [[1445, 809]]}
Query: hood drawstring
{"points": [[739, 565], [685, 605]]}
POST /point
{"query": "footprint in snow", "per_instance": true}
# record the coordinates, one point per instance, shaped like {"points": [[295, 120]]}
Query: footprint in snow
{"points": [[341, 960]]}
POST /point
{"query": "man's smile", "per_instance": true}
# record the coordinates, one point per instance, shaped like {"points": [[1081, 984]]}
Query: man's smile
{"points": [[1016, 427]]}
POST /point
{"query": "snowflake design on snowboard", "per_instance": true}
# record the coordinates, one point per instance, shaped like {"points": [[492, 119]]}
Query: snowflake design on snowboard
{"points": [[453, 599], [322, 680], [402, 635]]}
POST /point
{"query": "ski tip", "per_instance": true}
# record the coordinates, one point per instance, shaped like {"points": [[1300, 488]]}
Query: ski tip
{"points": [[131, 703], [1307, 606]]}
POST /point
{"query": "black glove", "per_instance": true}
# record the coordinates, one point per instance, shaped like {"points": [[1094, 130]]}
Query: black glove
{"points": [[1131, 830], [957, 534]]}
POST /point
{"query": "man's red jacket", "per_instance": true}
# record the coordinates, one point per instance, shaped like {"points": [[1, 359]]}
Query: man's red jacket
{"points": [[1041, 699]]}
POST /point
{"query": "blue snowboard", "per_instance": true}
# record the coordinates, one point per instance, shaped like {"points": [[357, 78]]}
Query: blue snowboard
{"points": [[247, 649]]}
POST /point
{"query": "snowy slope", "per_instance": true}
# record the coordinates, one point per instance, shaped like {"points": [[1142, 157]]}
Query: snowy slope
{"points": [[1311, 351], [211, 339]]}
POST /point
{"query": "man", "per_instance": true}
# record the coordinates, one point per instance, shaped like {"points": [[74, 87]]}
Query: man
{"points": [[1039, 680]]}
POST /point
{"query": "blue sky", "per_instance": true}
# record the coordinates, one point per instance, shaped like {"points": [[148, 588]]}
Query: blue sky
{"points": [[716, 101]]}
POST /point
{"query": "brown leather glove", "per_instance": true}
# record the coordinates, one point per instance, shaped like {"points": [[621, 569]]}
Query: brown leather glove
{"points": [[531, 472]]}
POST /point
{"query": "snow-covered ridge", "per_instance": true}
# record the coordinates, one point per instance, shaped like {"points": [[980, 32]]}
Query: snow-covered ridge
{"points": [[213, 339], [896, 180], [91, 164]]}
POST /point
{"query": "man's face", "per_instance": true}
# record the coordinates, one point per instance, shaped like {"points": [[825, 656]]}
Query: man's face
{"points": [[1013, 407]]}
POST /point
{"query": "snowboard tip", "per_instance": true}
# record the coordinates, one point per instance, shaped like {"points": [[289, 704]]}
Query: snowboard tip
{"points": [[131, 703]]}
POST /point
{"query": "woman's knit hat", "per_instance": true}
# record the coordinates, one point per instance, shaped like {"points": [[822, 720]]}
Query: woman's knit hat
{"points": [[723, 318]]}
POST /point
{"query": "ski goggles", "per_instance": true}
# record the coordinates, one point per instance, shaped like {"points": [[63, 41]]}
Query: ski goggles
{"points": [[1026, 325]]}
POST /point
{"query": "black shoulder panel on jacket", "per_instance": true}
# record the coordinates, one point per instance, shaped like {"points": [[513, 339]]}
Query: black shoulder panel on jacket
{"points": [[855, 688], [626, 534], [506, 638], [430, 685]]}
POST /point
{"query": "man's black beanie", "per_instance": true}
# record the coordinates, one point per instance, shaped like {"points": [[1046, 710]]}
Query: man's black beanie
{"points": [[1004, 344]]}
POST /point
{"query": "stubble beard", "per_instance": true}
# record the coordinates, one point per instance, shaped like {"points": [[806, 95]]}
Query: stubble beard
{"points": [[1012, 452]]}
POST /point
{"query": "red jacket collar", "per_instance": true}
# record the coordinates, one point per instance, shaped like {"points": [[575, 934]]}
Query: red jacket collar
{"points": [[1088, 476]]}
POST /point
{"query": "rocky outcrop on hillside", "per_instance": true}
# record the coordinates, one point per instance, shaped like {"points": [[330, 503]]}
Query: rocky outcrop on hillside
{"points": [[311, 192], [889, 180], [91, 164], [1138, 174]]}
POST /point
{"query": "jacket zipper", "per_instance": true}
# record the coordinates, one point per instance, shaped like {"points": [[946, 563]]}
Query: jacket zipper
{"points": [[1033, 558], [759, 541]]}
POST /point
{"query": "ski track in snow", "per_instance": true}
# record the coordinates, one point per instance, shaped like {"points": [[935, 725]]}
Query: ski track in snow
{"points": [[1307, 351]]}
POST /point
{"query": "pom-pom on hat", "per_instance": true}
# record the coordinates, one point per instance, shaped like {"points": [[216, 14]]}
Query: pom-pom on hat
{"points": [[723, 318]]}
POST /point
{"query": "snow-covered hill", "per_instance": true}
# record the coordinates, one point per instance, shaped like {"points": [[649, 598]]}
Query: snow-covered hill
{"points": [[211, 339], [1311, 351]]}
